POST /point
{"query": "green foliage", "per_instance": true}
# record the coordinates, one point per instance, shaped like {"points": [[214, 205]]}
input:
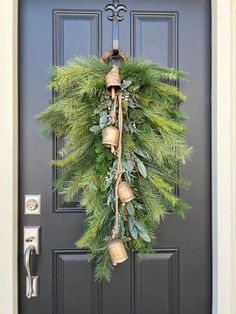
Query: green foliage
{"points": [[153, 149]]}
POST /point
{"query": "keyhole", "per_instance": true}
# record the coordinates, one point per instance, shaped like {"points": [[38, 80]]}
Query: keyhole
{"points": [[32, 204]]}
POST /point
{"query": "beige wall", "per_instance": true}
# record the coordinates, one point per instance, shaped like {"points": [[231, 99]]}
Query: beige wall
{"points": [[8, 157], [223, 157]]}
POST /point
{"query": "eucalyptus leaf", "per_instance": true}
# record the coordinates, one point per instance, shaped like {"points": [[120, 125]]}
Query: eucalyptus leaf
{"points": [[129, 165], [127, 177], [139, 226], [137, 205], [132, 229], [144, 236], [141, 168], [95, 129], [140, 153], [132, 104], [122, 227], [110, 198], [103, 119], [126, 84], [130, 208]]}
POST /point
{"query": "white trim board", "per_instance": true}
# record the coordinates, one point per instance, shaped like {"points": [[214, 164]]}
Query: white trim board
{"points": [[223, 156]]}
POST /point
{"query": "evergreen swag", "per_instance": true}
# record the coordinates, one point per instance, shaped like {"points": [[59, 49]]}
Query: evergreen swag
{"points": [[153, 148]]}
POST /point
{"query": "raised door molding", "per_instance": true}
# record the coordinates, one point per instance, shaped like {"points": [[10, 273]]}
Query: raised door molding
{"points": [[162, 27], [77, 24]]}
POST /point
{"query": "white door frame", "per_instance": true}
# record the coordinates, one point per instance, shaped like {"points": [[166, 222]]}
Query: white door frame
{"points": [[223, 156]]}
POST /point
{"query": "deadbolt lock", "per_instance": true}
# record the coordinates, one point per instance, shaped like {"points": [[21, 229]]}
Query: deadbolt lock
{"points": [[32, 204]]}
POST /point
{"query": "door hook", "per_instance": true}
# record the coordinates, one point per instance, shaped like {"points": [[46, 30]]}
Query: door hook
{"points": [[115, 17]]}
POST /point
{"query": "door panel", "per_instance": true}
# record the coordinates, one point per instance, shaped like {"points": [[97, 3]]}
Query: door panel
{"points": [[176, 278], [70, 29], [153, 36]]}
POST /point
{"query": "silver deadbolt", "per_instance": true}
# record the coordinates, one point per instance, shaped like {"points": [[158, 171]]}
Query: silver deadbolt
{"points": [[32, 204]]}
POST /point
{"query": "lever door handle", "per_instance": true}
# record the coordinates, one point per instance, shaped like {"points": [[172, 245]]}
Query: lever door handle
{"points": [[30, 249]]}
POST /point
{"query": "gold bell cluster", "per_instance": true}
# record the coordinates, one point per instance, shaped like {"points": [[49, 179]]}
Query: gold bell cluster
{"points": [[110, 134], [112, 138]]}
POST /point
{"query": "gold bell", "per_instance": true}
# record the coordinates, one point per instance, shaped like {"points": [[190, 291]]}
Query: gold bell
{"points": [[113, 81], [117, 251], [125, 192], [110, 137]]}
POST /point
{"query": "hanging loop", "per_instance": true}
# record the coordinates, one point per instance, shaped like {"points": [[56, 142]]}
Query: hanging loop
{"points": [[109, 56]]}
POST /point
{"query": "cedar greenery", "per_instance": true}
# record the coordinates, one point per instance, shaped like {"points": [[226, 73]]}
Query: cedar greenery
{"points": [[153, 148]]}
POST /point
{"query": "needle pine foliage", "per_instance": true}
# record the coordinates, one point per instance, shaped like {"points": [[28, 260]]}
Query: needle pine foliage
{"points": [[153, 149]]}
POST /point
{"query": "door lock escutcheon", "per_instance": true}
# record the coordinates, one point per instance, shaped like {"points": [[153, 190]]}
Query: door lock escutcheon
{"points": [[32, 204], [32, 238]]}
